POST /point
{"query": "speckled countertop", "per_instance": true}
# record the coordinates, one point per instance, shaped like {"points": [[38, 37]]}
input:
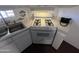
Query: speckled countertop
{"points": [[64, 29], [56, 23]]}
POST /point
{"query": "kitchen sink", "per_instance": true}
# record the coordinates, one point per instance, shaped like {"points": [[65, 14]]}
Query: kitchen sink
{"points": [[16, 27], [3, 31]]}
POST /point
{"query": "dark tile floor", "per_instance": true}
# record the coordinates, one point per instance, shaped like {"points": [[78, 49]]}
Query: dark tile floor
{"points": [[67, 48], [40, 48]]}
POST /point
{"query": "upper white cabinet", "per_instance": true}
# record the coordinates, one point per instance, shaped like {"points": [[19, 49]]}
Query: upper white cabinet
{"points": [[22, 40]]}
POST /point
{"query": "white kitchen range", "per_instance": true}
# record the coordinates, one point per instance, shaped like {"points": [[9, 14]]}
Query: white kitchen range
{"points": [[43, 31], [24, 26]]}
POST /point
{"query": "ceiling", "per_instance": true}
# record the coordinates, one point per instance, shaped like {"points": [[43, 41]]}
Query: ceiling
{"points": [[36, 6], [50, 6]]}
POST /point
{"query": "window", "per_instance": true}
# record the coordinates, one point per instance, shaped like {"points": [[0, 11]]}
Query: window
{"points": [[7, 13], [10, 13], [3, 13], [0, 17]]}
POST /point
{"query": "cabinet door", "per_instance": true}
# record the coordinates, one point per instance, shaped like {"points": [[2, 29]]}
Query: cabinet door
{"points": [[22, 40], [58, 39], [10, 48], [5, 42]]}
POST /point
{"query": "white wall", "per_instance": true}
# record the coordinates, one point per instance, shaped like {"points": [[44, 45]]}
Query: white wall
{"points": [[73, 34], [43, 13]]}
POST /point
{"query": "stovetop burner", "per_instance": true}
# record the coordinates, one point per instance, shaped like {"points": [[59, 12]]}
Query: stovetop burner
{"points": [[40, 22], [37, 22], [49, 22]]}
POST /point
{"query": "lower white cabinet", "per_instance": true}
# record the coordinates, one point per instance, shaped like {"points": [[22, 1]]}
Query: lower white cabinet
{"points": [[10, 48], [16, 43], [5, 42], [58, 39], [22, 40]]}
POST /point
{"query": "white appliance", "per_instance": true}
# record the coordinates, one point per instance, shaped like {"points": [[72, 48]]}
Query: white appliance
{"points": [[42, 34]]}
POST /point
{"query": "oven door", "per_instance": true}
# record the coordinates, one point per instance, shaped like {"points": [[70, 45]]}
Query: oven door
{"points": [[43, 37]]}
